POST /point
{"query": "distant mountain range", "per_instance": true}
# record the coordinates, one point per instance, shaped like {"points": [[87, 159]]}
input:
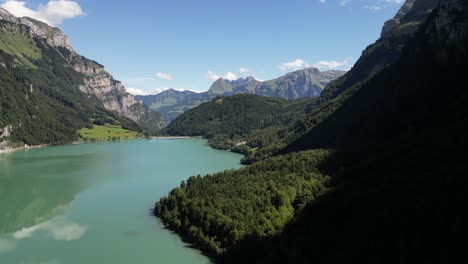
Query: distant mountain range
{"points": [[299, 84]]}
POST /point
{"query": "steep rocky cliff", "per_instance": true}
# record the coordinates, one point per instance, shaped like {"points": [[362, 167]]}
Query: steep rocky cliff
{"points": [[96, 81], [302, 83]]}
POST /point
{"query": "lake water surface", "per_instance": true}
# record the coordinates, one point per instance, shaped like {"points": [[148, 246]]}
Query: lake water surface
{"points": [[90, 203]]}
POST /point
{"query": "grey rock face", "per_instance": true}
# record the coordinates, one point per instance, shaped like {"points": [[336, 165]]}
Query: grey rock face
{"points": [[392, 23], [302, 83], [412, 10]]}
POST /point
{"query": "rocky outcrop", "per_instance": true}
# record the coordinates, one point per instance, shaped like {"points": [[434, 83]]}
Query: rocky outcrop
{"points": [[113, 95], [96, 81], [4, 135], [302, 83], [53, 36], [411, 11], [223, 86], [392, 23]]}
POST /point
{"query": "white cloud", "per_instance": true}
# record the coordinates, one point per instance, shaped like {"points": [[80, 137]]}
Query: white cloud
{"points": [[344, 2], [212, 76], [322, 65], [394, 1], [243, 70], [294, 65], [136, 91], [322, 1], [381, 4], [59, 229], [52, 13], [164, 76], [332, 65], [228, 76], [373, 8]]}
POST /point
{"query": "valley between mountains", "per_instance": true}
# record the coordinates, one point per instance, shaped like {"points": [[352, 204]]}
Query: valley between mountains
{"points": [[360, 166]]}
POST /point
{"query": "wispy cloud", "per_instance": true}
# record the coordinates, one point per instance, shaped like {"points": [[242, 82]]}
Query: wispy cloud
{"points": [[394, 1], [293, 65], [243, 70], [52, 13], [344, 3], [373, 8], [164, 76], [228, 76], [322, 1], [333, 64], [381, 4], [137, 91], [322, 65]]}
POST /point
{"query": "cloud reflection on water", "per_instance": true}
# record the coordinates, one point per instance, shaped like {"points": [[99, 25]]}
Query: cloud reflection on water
{"points": [[58, 229]]}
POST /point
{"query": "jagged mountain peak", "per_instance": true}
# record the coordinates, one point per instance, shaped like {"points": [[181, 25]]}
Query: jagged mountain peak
{"points": [[222, 86], [411, 11], [305, 71]]}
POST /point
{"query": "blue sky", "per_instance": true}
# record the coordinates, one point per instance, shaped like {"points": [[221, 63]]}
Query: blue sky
{"points": [[154, 45]]}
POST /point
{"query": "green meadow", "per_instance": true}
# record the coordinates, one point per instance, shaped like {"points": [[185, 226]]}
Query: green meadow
{"points": [[106, 132]]}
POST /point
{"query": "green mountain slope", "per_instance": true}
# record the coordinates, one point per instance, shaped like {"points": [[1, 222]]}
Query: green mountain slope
{"points": [[48, 92], [397, 144]]}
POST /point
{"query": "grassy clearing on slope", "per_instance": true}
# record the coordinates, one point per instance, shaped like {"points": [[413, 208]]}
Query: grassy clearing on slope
{"points": [[106, 132], [23, 47]]}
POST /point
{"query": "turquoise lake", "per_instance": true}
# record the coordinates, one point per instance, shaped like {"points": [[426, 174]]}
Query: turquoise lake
{"points": [[91, 203]]}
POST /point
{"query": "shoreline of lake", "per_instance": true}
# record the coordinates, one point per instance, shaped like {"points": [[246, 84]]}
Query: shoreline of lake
{"points": [[176, 137], [5, 151]]}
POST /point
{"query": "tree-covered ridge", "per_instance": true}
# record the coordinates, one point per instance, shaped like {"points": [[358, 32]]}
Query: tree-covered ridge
{"points": [[240, 122], [218, 211]]}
